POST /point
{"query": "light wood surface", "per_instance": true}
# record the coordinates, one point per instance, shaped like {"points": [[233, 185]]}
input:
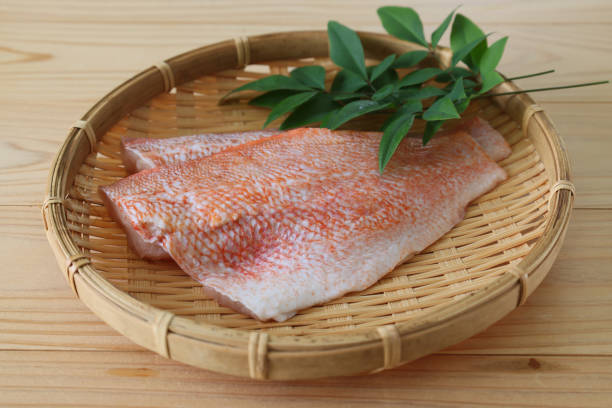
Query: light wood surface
{"points": [[57, 58]]}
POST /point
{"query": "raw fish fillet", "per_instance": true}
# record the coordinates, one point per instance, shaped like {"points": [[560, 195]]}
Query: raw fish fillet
{"points": [[145, 153], [294, 220], [487, 137]]}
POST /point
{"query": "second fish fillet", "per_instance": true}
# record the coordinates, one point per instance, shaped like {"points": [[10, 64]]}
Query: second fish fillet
{"points": [[145, 153]]}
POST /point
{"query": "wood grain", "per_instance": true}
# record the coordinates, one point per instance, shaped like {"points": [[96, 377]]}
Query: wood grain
{"points": [[37, 308], [586, 131], [58, 57], [63, 379]]}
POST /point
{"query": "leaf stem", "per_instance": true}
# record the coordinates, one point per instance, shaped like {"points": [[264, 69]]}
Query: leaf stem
{"points": [[370, 85], [543, 89], [550, 71]]}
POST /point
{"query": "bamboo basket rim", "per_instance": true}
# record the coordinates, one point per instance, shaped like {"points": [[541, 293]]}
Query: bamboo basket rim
{"points": [[258, 348]]}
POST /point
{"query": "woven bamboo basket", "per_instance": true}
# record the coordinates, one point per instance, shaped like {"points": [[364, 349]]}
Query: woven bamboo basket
{"points": [[470, 278]]}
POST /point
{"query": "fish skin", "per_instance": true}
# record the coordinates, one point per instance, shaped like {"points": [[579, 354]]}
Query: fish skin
{"points": [[486, 136], [144, 248], [303, 217], [144, 153]]}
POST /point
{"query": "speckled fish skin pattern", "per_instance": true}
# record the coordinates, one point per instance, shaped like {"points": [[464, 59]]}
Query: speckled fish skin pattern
{"points": [[486, 136], [145, 153], [283, 223]]}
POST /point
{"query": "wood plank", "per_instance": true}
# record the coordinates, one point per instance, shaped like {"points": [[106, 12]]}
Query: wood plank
{"points": [[39, 60], [266, 12], [129, 379], [37, 309], [585, 128], [571, 312]]}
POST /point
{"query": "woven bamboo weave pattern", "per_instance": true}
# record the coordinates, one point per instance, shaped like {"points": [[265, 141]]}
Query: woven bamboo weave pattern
{"points": [[500, 228]]}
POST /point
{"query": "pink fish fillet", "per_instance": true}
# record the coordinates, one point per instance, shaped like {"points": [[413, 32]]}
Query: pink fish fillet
{"points": [[487, 137], [145, 153], [277, 225]]}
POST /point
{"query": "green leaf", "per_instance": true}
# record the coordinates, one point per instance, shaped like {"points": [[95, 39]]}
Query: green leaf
{"points": [[346, 82], [403, 23], [409, 107], [314, 110], [382, 67], [419, 76], [351, 111], [442, 109], [491, 57], [270, 99], [439, 32], [312, 76], [457, 72], [465, 51], [345, 48], [394, 133], [420, 93], [490, 79], [410, 59], [467, 83], [289, 104], [457, 92], [430, 130], [383, 92], [461, 106], [345, 96], [463, 32], [272, 83], [386, 78]]}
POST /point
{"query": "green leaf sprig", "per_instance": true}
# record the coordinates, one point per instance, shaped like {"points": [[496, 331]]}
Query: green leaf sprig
{"points": [[432, 94]]}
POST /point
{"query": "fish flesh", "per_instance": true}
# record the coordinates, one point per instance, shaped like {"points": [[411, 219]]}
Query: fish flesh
{"points": [[486, 136], [145, 153], [302, 217], [141, 153], [283, 223]]}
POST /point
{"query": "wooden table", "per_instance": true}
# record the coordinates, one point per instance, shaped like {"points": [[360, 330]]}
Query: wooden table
{"points": [[58, 57]]}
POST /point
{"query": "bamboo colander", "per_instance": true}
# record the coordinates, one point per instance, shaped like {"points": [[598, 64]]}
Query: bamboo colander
{"points": [[470, 278]]}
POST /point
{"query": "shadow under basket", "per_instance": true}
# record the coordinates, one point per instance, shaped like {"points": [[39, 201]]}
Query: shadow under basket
{"points": [[470, 278]]}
